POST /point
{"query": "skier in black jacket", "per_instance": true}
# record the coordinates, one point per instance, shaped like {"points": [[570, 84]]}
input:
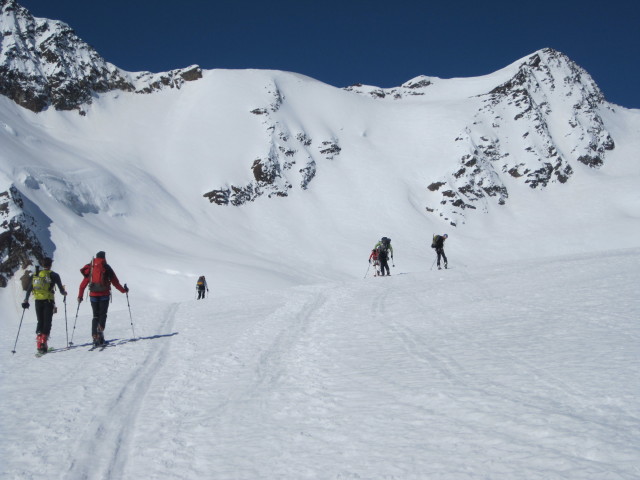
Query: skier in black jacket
{"points": [[438, 244]]}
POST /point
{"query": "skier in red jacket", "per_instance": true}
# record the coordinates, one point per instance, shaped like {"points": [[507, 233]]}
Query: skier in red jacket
{"points": [[99, 276], [376, 263]]}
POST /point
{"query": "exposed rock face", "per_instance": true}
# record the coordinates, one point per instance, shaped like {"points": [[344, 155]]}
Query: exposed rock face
{"points": [[20, 234], [550, 101], [412, 88], [291, 160], [44, 64], [548, 89]]}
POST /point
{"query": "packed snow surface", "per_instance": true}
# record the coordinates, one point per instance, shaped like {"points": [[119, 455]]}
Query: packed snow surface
{"points": [[517, 370]]}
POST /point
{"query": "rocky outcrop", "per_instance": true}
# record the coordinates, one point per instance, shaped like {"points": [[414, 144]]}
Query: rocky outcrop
{"points": [[291, 161], [412, 88], [44, 64], [549, 102], [20, 233]]}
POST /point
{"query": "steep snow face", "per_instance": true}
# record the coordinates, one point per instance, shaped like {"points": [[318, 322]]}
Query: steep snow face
{"points": [[44, 63]]}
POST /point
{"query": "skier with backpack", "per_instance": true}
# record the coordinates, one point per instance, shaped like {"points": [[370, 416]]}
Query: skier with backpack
{"points": [[43, 284], [376, 262], [99, 276], [201, 286], [384, 249], [438, 244]]}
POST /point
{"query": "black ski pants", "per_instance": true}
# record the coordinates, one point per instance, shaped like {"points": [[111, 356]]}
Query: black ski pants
{"points": [[440, 252], [384, 265], [100, 306], [200, 293], [44, 314]]}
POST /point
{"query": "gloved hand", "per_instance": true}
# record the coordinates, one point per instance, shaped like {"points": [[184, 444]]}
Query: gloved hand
{"points": [[126, 289], [25, 305], [64, 293], [369, 261], [79, 299]]}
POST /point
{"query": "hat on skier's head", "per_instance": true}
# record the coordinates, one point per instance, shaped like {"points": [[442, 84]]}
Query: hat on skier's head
{"points": [[100, 254], [445, 236], [46, 262]]}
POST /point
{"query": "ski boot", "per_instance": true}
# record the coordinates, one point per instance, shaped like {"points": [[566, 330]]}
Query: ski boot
{"points": [[100, 335], [41, 342]]}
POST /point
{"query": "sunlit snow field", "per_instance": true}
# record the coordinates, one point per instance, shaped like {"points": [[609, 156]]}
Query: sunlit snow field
{"points": [[519, 370]]}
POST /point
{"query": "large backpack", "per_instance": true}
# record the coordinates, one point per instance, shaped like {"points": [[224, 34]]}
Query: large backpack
{"points": [[384, 244], [42, 285], [200, 282], [26, 280], [99, 280]]}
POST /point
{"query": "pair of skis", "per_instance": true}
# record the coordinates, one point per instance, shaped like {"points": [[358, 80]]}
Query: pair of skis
{"points": [[100, 348]]}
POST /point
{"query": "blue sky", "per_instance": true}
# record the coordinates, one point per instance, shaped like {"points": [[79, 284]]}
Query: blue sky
{"points": [[382, 43]]}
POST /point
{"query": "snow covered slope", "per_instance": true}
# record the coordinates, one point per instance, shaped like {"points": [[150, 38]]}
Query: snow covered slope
{"points": [[266, 178], [517, 370], [519, 362]]}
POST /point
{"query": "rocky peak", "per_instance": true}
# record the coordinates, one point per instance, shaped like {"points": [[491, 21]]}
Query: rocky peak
{"points": [[44, 63], [554, 106]]}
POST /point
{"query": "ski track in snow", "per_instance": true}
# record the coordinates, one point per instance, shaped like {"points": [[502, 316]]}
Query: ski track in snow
{"points": [[103, 450]]}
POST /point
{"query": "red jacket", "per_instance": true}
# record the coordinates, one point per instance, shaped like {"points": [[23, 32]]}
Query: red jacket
{"points": [[111, 277]]}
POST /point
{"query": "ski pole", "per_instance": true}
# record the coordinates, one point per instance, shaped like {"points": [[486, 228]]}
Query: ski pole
{"points": [[434, 262], [130, 317], [66, 325], [74, 324], [19, 327], [365, 275]]}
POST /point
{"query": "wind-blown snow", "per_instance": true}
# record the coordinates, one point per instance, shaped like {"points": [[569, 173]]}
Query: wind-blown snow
{"points": [[518, 370]]}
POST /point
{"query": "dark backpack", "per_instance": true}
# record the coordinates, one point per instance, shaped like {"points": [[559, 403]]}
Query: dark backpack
{"points": [[25, 280]]}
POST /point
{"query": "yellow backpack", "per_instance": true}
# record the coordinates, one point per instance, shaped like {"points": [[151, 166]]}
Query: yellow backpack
{"points": [[42, 285]]}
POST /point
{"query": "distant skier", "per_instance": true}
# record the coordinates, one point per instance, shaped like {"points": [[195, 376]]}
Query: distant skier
{"points": [[438, 244], [384, 249], [99, 276], [201, 286], [43, 284], [376, 262]]}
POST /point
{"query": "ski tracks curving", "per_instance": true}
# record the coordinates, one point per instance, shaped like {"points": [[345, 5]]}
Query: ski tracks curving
{"points": [[103, 450]]}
